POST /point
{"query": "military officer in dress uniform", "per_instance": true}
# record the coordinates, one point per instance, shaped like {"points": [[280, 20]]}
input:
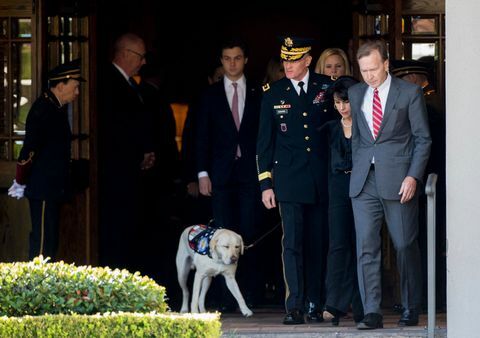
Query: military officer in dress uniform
{"points": [[292, 169], [44, 161]]}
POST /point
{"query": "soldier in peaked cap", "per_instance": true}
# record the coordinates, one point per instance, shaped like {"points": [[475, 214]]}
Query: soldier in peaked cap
{"points": [[418, 72], [292, 169], [43, 163]]}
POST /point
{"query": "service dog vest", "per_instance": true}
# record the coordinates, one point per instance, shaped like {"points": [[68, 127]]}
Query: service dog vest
{"points": [[199, 238]]}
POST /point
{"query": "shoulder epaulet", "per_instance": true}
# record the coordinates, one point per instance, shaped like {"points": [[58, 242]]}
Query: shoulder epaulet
{"points": [[429, 92], [266, 87]]}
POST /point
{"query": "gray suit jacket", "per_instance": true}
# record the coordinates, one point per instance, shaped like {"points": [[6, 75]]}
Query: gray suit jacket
{"points": [[403, 143]]}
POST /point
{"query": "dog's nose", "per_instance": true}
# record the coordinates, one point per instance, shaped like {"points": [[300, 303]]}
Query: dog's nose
{"points": [[233, 259]]}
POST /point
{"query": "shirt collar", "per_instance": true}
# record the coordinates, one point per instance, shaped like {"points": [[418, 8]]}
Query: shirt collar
{"points": [[242, 82], [121, 71], [384, 85], [304, 79]]}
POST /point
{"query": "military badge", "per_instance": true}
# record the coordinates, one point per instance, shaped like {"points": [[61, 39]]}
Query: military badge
{"points": [[288, 42], [282, 106], [319, 98], [283, 127]]}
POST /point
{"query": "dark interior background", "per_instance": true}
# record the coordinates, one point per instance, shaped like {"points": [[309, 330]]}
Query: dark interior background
{"points": [[183, 42]]}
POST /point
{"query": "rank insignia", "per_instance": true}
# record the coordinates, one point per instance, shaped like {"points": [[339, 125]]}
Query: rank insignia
{"points": [[282, 106], [319, 98]]}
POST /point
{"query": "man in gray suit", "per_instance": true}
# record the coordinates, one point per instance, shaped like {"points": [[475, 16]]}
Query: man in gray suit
{"points": [[390, 149]]}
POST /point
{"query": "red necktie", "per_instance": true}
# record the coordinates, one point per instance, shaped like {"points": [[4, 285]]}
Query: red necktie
{"points": [[376, 113], [235, 113]]}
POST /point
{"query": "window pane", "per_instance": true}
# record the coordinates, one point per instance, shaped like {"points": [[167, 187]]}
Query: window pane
{"points": [[4, 150], [17, 146], [423, 49], [422, 25], [3, 88], [3, 28], [22, 85], [21, 28]]}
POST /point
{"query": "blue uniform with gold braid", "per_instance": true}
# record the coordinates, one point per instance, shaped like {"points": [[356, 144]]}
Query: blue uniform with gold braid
{"points": [[44, 162], [48, 137], [292, 159]]}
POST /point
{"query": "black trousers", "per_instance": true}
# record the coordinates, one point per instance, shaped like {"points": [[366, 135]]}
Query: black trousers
{"points": [[342, 282], [45, 228], [304, 247], [237, 206]]}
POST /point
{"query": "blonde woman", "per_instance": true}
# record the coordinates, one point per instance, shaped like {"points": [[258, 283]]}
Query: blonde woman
{"points": [[333, 62]]}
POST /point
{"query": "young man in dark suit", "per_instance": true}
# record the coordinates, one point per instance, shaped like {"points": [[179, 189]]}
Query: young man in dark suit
{"points": [[292, 168], [390, 149], [227, 125]]}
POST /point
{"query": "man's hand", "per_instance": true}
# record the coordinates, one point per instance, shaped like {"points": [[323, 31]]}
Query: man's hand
{"points": [[407, 190], [16, 190], [205, 186], [192, 189], [148, 161], [268, 199]]}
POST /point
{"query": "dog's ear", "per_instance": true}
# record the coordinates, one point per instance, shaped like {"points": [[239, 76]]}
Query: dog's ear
{"points": [[213, 248], [242, 247]]}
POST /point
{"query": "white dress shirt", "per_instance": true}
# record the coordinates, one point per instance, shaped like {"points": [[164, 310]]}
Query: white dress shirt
{"points": [[367, 106], [305, 81], [241, 90]]}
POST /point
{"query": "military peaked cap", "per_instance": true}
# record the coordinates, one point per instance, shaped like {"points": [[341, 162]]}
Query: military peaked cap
{"points": [[69, 70], [404, 67], [294, 48]]}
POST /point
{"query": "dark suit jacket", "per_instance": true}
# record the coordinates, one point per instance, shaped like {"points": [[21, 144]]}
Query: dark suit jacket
{"points": [[125, 127], [403, 143], [217, 135], [290, 149]]}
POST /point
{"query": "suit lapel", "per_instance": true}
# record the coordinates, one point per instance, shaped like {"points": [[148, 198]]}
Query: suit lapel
{"points": [[391, 99], [225, 108], [249, 92], [361, 95]]}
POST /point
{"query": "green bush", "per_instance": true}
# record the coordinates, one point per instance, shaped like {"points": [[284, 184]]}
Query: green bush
{"points": [[113, 325], [39, 287]]}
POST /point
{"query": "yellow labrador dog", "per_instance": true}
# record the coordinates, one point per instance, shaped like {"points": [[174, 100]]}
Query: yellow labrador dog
{"points": [[211, 252]]}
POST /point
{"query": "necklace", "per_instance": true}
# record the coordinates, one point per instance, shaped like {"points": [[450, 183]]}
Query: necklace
{"points": [[345, 125]]}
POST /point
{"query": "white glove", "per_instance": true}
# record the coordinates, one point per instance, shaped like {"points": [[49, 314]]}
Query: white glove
{"points": [[16, 190]]}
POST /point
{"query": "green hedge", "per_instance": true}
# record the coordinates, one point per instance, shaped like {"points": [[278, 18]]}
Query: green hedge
{"points": [[113, 325], [39, 287]]}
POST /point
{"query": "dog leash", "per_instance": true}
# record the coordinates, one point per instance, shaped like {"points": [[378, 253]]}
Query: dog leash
{"points": [[263, 236]]}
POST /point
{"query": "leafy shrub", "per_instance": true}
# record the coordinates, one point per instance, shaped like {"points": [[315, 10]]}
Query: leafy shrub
{"points": [[110, 325], [39, 287]]}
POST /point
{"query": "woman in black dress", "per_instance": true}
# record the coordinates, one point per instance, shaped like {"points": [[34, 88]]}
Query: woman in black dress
{"points": [[342, 283]]}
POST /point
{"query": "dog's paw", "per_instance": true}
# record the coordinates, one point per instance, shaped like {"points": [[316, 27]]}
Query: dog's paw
{"points": [[247, 313]]}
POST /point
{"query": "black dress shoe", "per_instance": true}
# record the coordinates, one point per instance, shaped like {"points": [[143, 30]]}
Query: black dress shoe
{"points": [[371, 321], [358, 317], [294, 317], [314, 314], [409, 318]]}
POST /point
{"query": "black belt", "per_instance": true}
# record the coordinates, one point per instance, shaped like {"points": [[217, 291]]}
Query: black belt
{"points": [[372, 167]]}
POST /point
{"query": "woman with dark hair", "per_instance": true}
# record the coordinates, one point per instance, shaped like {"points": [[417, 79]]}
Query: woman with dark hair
{"points": [[342, 284]]}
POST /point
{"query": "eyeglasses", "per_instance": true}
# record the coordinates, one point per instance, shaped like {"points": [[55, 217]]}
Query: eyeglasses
{"points": [[142, 56]]}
